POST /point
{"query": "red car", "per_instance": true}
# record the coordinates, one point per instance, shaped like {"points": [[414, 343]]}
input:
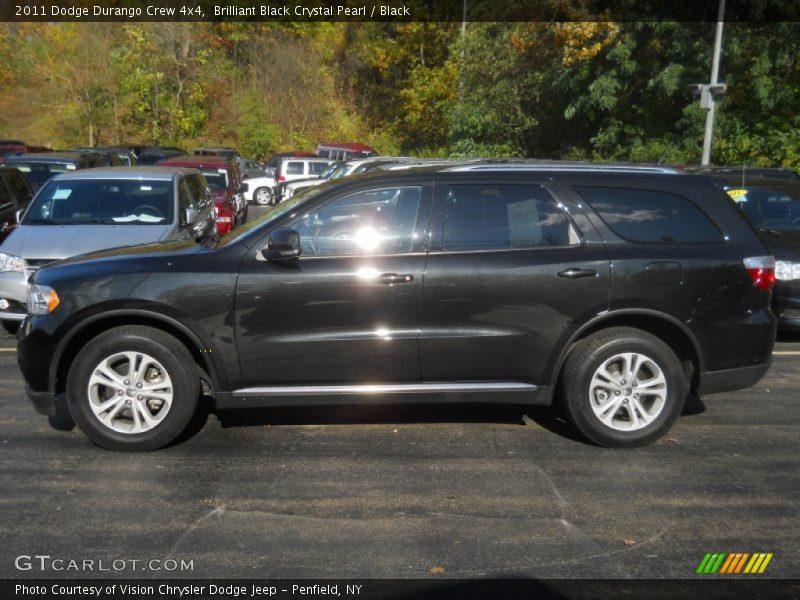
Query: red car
{"points": [[10, 147], [224, 183]]}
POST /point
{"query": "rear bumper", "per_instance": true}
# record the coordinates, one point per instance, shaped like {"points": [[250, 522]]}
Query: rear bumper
{"points": [[786, 304], [714, 382]]}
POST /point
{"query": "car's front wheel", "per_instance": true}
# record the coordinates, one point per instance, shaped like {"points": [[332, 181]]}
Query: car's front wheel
{"points": [[133, 388], [623, 387], [263, 196]]}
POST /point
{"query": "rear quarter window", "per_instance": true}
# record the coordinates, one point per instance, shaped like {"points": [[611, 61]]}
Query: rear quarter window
{"points": [[650, 216], [294, 168]]}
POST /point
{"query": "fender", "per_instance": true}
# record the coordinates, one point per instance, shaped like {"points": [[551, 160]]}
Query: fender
{"points": [[213, 370], [624, 312]]}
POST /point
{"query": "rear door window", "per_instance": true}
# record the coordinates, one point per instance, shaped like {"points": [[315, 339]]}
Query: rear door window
{"points": [[318, 167], [294, 168], [504, 216], [650, 216]]}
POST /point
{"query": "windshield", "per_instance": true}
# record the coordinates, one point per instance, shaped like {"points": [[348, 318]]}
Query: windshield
{"points": [[329, 171], [290, 206], [769, 209], [340, 171], [102, 201], [37, 173], [216, 178]]}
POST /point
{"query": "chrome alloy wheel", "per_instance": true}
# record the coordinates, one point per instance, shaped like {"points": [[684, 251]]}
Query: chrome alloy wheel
{"points": [[263, 196], [130, 392], [628, 391]]}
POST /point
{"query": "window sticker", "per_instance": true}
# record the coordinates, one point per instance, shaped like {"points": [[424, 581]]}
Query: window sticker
{"points": [[738, 195], [61, 194]]}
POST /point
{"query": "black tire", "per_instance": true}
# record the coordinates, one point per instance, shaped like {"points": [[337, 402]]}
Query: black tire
{"points": [[588, 356], [266, 196], [11, 327], [164, 348]]}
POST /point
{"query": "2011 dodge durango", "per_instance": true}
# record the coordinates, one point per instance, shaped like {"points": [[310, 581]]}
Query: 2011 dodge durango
{"points": [[611, 291]]}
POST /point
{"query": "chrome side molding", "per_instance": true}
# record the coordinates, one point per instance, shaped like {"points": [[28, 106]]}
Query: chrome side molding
{"points": [[387, 388]]}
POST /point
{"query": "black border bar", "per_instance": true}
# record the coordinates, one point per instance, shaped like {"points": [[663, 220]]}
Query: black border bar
{"points": [[707, 588], [403, 10]]}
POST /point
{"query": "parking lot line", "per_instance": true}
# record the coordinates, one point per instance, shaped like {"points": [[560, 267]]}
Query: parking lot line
{"points": [[8, 349], [787, 353]]}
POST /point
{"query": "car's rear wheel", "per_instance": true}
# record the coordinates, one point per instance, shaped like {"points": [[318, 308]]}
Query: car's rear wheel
{"points": [[622, 387], [11, 327], [133, 388], [263, 196]]}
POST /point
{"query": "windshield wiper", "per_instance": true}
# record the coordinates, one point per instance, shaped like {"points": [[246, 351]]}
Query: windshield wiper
{"points": [[40, 222], [93, 221]]}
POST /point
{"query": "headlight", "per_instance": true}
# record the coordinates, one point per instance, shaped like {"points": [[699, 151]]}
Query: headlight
{"points": [[42, 299], [785, 270], [10, 263]]}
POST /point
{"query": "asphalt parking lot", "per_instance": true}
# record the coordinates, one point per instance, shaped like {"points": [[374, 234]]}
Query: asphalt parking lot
{"points": [[414, 491]]}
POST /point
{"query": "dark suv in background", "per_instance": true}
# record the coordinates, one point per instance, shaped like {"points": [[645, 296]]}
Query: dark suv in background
{"points": [[773, 206], [614, 292], [38, 168], [15, 195]]}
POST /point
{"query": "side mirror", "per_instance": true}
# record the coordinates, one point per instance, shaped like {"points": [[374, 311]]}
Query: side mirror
{"points": [[243, 188], [283, 245], [19, 214], [190, 216]]}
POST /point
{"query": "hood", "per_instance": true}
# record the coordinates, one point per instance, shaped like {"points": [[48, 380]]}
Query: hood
{"points": [[62, 241], [172, 249], [219, 197], [785, 245]]}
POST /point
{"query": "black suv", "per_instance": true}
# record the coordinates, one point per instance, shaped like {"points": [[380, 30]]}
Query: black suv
{"points": [[15, 195], [612, 291]]}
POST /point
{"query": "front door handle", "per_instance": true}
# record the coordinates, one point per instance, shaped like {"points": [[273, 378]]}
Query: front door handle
{"points": [[574, 273], [393, 278]]}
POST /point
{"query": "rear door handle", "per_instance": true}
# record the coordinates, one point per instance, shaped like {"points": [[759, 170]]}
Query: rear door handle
{"points": [[393, 278], [574, 273]]}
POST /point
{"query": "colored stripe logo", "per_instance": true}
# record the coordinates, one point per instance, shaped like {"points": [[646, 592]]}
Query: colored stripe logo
{"points": [[734, 563]]}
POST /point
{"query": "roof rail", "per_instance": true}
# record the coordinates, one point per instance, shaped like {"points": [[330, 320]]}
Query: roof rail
{"points": [[564, 166]]}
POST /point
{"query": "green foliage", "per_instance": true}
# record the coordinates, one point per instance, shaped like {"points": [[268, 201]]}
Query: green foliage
{"points": [[257, 136], [574, 90]]}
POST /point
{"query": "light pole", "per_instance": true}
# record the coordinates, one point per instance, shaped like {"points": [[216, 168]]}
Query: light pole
{"points": [[709, 93]]}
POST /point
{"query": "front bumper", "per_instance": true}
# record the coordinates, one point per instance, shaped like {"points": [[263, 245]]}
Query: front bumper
{"points": [[14, 288]]}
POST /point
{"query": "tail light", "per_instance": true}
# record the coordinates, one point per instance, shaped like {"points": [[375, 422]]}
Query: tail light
{"points": [[761, 270], [281, 178]]}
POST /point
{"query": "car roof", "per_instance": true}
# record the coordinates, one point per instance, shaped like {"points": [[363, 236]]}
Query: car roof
{"points": [[761, 184], [196, 161], [217, 148], [350, 146], [49, 156], [306, 158], [517, 165], [141, 172]]}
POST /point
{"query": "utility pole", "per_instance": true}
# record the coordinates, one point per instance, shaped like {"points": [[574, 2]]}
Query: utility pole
{"points": [[714, 88], [463, 51]]}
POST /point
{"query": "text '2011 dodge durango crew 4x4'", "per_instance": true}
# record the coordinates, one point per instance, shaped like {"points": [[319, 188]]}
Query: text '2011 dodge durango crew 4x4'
{"points": [[613, 291]]}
